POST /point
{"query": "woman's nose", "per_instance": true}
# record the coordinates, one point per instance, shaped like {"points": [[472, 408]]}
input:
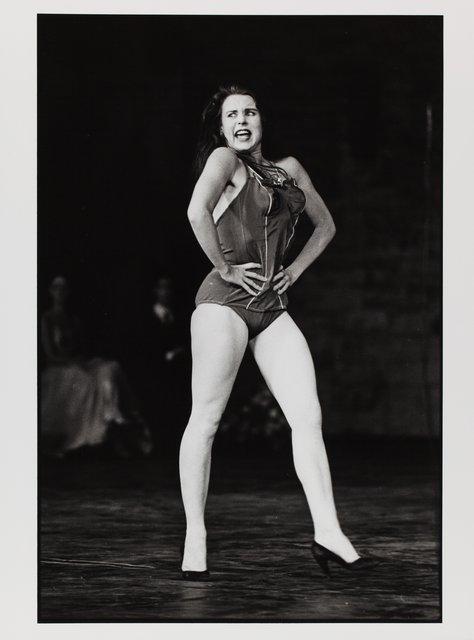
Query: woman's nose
{"points": [[242, 119]]}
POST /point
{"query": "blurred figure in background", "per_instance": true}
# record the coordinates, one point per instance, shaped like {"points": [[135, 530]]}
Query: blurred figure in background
{"points": [[167, 357], [168, 341], [84, 401]]}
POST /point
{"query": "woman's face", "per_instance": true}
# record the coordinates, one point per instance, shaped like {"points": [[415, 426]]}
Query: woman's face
{"points": [[241, 123]]}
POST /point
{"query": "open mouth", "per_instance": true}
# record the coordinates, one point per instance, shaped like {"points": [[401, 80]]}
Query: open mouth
{"points": [[243, 134]]}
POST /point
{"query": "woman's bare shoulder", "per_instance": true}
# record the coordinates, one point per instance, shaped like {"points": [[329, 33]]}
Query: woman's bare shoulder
{"points": [[225, 163], [222, 158], [292, 166]]}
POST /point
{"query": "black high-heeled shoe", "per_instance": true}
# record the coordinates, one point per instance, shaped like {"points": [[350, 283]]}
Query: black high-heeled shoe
{"points": [[193, 576], [323, 556]]}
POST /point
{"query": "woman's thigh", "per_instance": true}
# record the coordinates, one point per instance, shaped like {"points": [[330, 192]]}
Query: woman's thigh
{"points": [[283, 356], [219, 338]]}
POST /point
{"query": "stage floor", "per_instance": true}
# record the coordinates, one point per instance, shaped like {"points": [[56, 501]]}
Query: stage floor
{"points": [[110, 533]]}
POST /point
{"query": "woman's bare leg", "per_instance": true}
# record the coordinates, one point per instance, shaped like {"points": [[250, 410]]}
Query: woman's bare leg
{"points": [[219, 339], [285, 361]]}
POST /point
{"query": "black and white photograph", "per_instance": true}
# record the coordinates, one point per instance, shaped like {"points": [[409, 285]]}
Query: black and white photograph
{"points": [[240, 320], [239, 254]]}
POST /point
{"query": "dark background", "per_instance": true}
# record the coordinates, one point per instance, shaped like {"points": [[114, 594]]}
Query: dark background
{"points": [[358, 100]]}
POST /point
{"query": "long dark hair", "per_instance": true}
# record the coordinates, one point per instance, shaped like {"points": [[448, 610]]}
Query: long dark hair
{"points": [[210, 137]]}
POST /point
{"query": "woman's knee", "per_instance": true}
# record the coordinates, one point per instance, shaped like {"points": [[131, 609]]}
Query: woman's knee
{"points": [[307, 417], [205, 420]]}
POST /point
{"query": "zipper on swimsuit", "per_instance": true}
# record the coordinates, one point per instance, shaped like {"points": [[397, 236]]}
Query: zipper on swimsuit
{"points": [[266, 236], [257, 177]]}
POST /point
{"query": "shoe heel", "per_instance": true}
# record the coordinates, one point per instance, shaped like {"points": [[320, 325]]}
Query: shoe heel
{"points": [[323, 555], [322, 560], [323, 565]]}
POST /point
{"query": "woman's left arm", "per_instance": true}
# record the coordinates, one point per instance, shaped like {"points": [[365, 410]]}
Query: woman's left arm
{"points": [[324, 227]]}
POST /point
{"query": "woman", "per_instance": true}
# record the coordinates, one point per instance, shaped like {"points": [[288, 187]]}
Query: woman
{"points": [[84, 401], [243, 212]]}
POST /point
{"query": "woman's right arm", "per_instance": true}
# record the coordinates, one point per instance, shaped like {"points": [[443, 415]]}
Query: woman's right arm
{"points": [[218, 171]]}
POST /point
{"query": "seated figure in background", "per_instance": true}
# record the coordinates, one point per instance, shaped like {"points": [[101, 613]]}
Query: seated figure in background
{"points": [[84, 401]]}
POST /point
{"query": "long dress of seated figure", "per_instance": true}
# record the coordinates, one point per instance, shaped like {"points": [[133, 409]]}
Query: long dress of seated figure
{"points": [[84, 401]]}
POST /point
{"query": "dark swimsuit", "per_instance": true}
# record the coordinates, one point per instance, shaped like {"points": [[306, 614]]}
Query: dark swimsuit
{"points": [[257, 226]]}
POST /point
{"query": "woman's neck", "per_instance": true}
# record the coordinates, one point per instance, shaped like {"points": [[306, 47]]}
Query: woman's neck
{"points": [[258, 158], [256, 155]]}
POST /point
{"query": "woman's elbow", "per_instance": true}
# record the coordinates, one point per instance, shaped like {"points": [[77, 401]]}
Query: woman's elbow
{"points": [[331, 230], [194, 215]]}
